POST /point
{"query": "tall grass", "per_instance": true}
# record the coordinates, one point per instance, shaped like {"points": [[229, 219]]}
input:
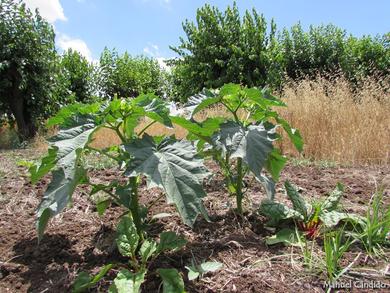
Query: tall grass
{"points": [[338, 123]]}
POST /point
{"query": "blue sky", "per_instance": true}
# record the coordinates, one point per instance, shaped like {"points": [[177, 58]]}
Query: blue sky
{"points": [[150, 26]]}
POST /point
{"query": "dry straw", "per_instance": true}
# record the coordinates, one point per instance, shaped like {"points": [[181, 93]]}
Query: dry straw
{"points": [[339, 123]]}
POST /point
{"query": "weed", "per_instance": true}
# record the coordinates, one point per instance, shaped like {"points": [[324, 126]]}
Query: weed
{"points": [[335, 246], [373, 230]]}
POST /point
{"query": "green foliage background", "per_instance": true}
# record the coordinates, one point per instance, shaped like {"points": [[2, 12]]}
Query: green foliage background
{"points": [[222, 47], [219, 47]]}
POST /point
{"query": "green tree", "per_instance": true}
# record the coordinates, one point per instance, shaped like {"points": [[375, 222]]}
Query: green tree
{"points": [[75, 80], [27, 56], [222, 47], [366, 56], [319, 50], [128, 76]]}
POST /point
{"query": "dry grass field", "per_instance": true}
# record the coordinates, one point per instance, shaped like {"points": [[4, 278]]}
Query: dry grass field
{"points": [[337, 124]]}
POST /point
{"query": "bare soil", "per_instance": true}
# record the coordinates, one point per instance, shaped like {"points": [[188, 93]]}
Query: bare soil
{"points": [[80, 240]]}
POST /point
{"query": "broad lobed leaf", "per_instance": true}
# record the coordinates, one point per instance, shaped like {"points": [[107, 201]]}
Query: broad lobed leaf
{"points": [[252, 144], [173, 166]]}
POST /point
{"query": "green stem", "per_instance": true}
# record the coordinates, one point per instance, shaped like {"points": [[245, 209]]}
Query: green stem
{"points": [[239, 193], [102, 152], [146, 127], [134, 206], [113, 196], [121, 136], [155, 201]]}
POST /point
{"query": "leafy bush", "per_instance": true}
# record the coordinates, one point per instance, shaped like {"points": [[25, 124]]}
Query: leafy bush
{"points": [[170, 164], [75, 79], [223, 46], [128, 76], [245, 137]]}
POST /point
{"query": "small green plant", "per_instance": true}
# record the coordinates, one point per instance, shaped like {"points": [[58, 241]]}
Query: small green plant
{"points": [[308, 217], [335, 246], [373, 230], [196, 270], [140, 254], [242, 141], [167, 163]]}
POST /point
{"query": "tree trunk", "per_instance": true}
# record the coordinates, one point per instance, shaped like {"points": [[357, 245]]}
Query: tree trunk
{"points": [[26, 127], [17, 104]]}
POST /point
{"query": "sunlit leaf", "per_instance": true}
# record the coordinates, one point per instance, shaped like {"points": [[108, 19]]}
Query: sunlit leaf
{"points": [[174, 166]]}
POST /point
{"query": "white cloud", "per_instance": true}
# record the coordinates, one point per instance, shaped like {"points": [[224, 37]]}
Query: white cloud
{"points": [[51, 10], [154, 51], [65, 42]]}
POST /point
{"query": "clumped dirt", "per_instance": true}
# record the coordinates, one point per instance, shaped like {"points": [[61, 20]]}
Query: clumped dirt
{"points": [[79, 240]]}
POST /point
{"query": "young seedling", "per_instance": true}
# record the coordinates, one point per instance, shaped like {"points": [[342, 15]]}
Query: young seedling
{"points": [[335, 246], [308, 217], [196, 270], [140, 254], [373, 230], [242, 141]]}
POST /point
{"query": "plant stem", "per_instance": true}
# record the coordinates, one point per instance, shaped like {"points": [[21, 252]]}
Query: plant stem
{"points": [[146, 127], [239, 194], [134, 206], [118, 132], [102, 152]]}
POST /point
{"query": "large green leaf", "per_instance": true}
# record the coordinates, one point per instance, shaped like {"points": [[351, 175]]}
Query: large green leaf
{"points": [[252, 144], [172, 281], [268, 184], [331, 202], [297, 200], [262, 97], [203, 130], [275, 163], [293, 134], [63, 157], [127, 282], [58, 195], [174, 166], [275, 212], [154, 108], [201, 101], [332, 218], [128, 238], [65, 116], [63, 151]]}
